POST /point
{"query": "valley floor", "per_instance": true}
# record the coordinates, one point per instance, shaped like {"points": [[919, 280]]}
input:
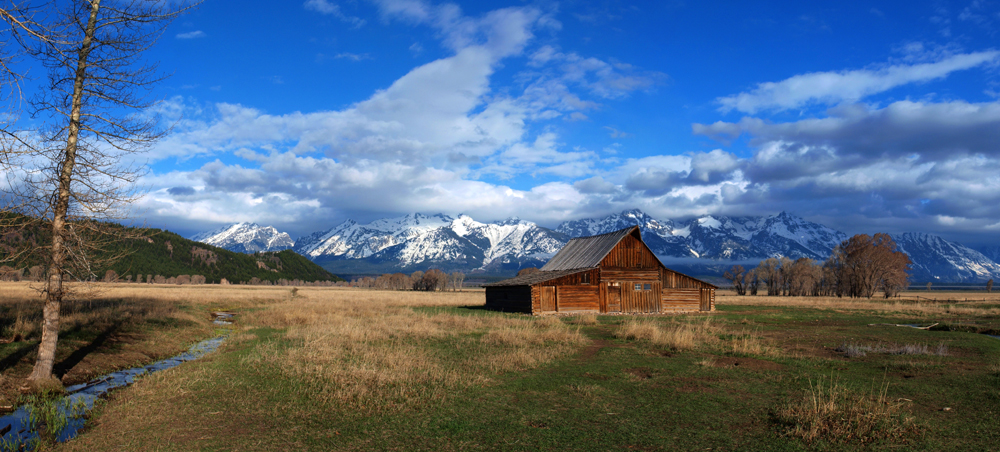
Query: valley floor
{"points": [[347, 369]]}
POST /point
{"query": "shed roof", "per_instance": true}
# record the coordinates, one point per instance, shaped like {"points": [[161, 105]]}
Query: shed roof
{"points": [[587, 252], [535, 278]]}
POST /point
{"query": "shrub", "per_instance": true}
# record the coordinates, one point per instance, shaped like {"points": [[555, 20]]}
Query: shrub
{"points": [[831, 412]]}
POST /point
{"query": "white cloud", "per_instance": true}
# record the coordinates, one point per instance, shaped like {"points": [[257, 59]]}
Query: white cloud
{"points": [[191, 35], [503, 32], [423, 143], [353, 56], [831, 88], [333, 9]]}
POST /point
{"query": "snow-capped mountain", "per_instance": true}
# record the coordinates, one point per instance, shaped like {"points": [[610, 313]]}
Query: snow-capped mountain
{"points": [[416, 241], [705, 245], [350, 240], [246, 238], [936, 259], [720, 237], [991, 252]]}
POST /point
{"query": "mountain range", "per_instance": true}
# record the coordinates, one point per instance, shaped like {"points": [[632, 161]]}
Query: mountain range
{"points": [[246, 238], [700, 246]]}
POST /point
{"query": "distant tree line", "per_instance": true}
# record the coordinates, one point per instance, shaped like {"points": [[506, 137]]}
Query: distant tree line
{"points": [[431, 280], [858, 268]]}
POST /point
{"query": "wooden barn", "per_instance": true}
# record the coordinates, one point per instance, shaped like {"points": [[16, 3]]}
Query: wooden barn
{"points": [[608, 273]]}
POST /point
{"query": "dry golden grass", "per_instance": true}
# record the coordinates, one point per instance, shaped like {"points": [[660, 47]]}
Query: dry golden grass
{"points": [[834, 413], [588, 319], [954, 306], [372, 351], [752, 343], [678, 335]]}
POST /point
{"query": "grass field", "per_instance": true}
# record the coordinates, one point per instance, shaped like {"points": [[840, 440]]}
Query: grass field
{"points": [[343, 369]]}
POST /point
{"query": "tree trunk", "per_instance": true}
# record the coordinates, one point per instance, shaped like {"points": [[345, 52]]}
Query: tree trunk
{"points": [[54, 290]]}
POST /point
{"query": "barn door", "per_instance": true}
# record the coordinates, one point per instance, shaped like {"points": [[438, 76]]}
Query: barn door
{"points": [[706, 300], [548, 298], [614, 297]]}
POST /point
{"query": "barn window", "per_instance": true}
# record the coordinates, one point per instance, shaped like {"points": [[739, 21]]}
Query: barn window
{"points": [[638, 286], [647, 287], [585, 278]]}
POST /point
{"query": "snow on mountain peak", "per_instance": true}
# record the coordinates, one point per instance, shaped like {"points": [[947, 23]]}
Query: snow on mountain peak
{"points": [[709, 222], [424, 241], [416, 238], [246, 237]]}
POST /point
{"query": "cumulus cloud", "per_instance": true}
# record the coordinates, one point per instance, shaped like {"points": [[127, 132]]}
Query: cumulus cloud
{"points": [[831, 88], [444, 138], [420, 144], [931, 131], [898, 167]]}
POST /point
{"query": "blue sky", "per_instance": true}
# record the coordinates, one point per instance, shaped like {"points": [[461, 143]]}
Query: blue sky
{"points": [[866, 116]]}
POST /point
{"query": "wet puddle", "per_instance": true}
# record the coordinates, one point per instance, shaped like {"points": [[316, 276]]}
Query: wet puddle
{"points": [[223, 318], [17, 431]]}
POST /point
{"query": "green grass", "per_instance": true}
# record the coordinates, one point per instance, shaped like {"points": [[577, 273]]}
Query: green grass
{"points": [[617, 395]]}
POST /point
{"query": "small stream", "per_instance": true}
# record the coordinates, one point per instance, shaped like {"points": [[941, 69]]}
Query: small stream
{"points": [[16, 430]]}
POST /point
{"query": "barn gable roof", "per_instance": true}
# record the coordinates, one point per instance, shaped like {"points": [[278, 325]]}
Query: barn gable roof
{"points": [[535, 278], [587, 252]]}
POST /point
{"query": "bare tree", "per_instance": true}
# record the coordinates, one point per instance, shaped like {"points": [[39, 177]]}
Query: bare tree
{"points": [[803, 276], [21, 31], [769, 273], [752, 281], [431, 280], [989, 286], [736, 274], [457, 278], [80, 167], [866, 264]]}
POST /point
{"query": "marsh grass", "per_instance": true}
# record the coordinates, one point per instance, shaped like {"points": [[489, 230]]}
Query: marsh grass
{"points": [[834, 413], [49, 414], [120, 326], [678, 334], [344, 369], [371, 351], [751, 342], [851, 350], [946, 305], [585, 320]]}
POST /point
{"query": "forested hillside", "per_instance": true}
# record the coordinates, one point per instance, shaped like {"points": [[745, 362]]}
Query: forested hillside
{"points": [[152, 253]]}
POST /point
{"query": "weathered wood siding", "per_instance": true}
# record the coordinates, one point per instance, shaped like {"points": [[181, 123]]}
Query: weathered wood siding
{"points": [[579, 298], [636, 298], [674, 280], [630, 253], [707, 300], [680, 300], [575, 289], [509, 298], [547, 298]]}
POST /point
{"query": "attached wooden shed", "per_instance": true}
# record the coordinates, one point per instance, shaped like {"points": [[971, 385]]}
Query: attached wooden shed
{"points": [[608, 273]]}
